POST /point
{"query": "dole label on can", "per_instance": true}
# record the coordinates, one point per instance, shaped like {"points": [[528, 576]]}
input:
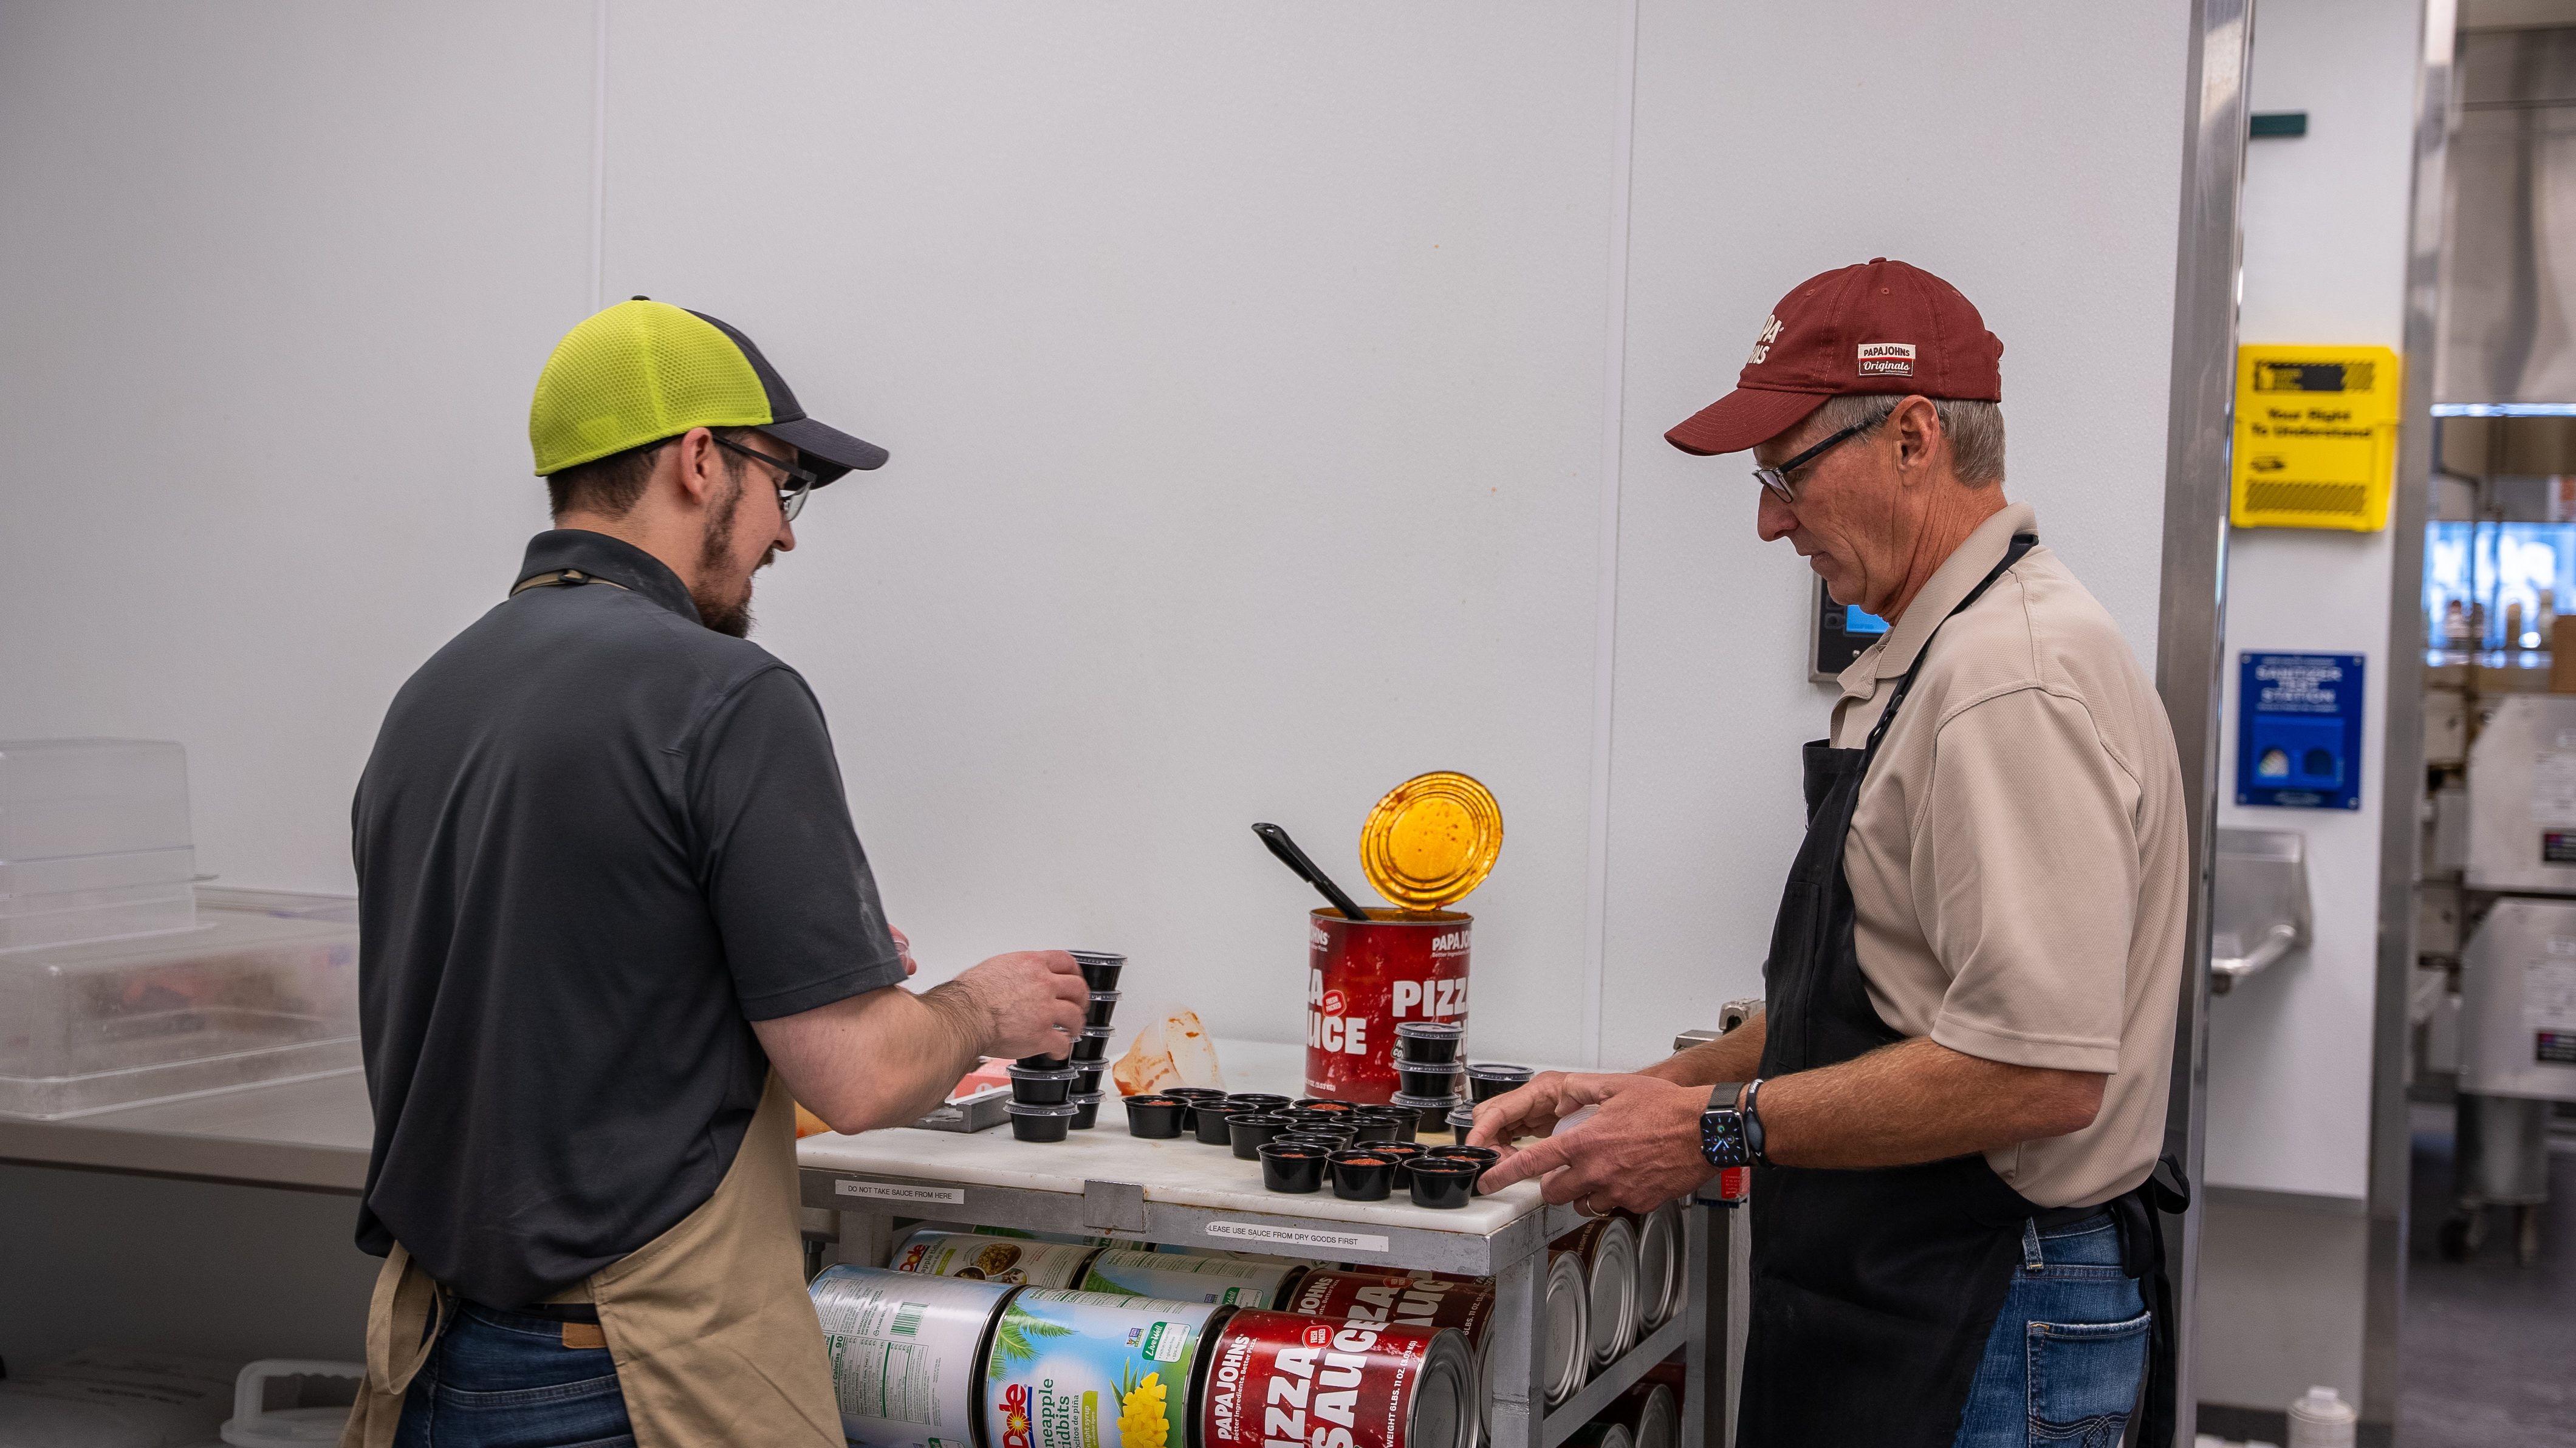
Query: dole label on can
{"points": [[1092, 1370]]}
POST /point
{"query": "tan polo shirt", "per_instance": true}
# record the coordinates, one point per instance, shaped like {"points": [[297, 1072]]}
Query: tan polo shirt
{"points": [[2017, 858]]}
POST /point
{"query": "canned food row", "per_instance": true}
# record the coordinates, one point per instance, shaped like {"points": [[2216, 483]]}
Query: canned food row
{"points": [[949, 1362]]}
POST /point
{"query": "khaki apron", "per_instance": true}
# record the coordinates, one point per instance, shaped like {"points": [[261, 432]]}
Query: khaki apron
{"points": [[714, 1338]]}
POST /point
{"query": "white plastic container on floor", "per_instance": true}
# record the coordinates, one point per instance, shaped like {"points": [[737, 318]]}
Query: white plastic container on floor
{"points": [[2322, 1419], [254, 1425]]}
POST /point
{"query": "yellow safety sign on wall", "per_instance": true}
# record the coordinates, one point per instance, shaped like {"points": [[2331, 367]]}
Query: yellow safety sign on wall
{"points": [[2316, 437]]}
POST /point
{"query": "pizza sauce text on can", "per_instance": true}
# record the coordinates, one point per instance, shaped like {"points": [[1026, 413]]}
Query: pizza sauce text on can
{"points": [[1093, 1370], [1365, 978], [1011, 1260], [1281, 1377], [907, 1352], [1361, 1298], [1180, 1278]]}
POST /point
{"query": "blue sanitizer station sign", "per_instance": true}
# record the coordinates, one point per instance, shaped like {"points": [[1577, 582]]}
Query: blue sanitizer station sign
{"points": [[2298, 730]]}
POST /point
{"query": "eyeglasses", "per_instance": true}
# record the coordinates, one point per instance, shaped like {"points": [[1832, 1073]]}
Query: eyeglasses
{"points": [[791, 492], [1775, 481]]}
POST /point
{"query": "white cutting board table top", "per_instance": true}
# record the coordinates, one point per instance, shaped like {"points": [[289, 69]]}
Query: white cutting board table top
{"points": [[1183, 1171]]}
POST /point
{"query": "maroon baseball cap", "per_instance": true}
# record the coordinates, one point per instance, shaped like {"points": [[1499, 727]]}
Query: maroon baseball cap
{"points": [[1881, 326]]}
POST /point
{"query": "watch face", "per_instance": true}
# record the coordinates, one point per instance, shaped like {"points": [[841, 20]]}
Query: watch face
{"points": [[1721, 1138]]}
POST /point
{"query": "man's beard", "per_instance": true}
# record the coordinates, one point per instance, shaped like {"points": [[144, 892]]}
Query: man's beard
{"points": [[726, 615]]}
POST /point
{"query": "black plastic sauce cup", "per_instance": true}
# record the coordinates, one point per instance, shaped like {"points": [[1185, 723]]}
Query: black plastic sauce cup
{"points": [[1417, 1080], [1099, 967], [1384, 1126], [1209, 1119], [1249, 1131], [1157, 1117], [1292, 1168], [1041, 1063], [1104, 1004], [1092, 1046], [1403, 1154], [1362, 1175], [1488, 1079], [1040, 1123], [1482, 1156], [1041, 1088], [1259, 1100], [1442, 1181], [1431, 1043]]}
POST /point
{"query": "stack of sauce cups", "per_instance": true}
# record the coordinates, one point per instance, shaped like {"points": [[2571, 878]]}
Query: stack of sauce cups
{"points": [[1427, 1071], [1100, 970]]}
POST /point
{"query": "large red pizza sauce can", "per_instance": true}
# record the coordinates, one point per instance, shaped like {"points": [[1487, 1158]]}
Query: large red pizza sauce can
{"points": [[1283, 1377], [1363, 979], [1362, 1299]]}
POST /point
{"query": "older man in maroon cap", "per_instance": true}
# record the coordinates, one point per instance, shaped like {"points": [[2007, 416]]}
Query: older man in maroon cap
{"points": [[1953, 1101]]}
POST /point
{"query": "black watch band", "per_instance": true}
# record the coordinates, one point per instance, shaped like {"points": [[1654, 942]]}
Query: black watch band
{"points": [[1721, 1128], [1753, 1142]]}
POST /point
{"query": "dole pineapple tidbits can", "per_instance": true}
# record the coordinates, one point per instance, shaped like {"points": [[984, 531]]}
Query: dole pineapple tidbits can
{"points": [[1092, 1370]]}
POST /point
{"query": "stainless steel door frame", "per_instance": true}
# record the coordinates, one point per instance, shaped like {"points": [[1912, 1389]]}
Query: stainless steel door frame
{"points": [[2402, 781], [2190, 611]]}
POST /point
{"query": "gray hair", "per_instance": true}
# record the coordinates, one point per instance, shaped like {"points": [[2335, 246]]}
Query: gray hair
{"points": [[1975, 429]]}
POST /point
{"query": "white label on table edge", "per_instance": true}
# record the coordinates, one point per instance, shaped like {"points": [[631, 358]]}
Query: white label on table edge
{"points": [[1296, 1236], [889, 1192]]}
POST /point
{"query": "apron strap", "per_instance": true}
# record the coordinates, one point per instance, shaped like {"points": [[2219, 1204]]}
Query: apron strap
{"points": [[2021, 543], [565, 578], [2142, 1255]]}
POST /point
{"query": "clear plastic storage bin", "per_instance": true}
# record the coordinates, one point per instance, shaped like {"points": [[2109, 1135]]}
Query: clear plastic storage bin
{"points": [[94, 840], [244, 998]]}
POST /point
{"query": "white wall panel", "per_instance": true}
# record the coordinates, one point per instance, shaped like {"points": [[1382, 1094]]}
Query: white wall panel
{"points": [[279, 277], [2029, 153], [1242, 370]]}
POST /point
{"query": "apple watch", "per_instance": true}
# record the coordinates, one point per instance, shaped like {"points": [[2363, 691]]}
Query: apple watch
{"points": [[1721, 1128]]}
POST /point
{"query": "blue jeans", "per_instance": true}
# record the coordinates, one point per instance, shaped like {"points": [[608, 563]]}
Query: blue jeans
{"points": [[505, 1380], [2069, 1349]]}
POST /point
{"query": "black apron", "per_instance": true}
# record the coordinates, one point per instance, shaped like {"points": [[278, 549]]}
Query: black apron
{"points": [[1873, 1291]]}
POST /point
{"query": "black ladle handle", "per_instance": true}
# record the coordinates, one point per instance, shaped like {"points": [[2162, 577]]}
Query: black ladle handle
{"points": [[1295, 859]]}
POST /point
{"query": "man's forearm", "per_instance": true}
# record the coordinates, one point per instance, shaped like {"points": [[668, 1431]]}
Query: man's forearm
{"points": [[1735, 1056], [880, 1059], [1918, 1101]]}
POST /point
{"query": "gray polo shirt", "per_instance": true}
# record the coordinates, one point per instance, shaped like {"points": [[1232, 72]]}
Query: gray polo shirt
{"points": [[2017, 861], [595, 842]]}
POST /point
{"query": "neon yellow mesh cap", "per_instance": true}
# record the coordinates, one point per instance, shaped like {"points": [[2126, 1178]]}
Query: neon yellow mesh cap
{"points": [[645, 370]]}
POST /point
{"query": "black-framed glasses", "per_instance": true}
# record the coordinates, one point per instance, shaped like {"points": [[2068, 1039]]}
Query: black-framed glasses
{"points": [[1775, 481], [791, 492]]}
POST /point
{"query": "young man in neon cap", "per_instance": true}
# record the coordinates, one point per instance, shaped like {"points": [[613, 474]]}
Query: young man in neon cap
{"points": [[1954, 1098], [614, 917]]}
